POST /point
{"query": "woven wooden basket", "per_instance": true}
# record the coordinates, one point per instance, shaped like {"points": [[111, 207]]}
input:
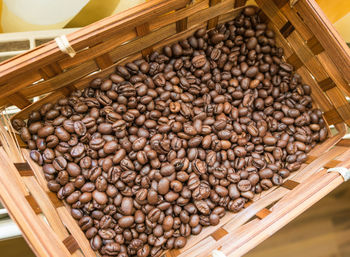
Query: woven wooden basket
{"points": [[311, 44]]}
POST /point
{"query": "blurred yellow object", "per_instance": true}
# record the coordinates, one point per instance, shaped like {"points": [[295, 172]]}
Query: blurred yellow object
{"points": [[96, 10], [335, 9], [27, 15], [343, 27], [338, 12]]}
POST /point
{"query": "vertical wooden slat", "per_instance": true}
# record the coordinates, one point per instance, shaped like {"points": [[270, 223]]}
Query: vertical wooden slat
{"points": [[18, 100], [142, 30], [104, 61], [181, 25], [214, 21]]}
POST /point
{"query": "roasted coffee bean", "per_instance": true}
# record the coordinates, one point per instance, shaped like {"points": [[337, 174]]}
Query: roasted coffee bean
{"points": [[169, 142]]}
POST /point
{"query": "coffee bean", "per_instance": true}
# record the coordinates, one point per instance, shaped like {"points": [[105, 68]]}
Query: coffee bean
{"points": [[126, 221], [199, 61]]}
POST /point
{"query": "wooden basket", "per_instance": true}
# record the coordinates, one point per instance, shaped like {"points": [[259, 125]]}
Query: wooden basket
{"points": [[311, 44]]}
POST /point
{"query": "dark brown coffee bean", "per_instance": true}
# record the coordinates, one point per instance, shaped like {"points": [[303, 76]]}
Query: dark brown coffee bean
{"points": [[199, 61]]}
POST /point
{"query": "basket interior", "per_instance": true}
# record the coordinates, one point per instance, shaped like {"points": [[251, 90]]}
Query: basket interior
{"points": [[58, 78]]}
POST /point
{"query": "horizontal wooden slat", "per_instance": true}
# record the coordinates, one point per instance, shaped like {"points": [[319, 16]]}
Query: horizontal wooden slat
{"points": [[344, 142], [20, 81], [61, 80]]}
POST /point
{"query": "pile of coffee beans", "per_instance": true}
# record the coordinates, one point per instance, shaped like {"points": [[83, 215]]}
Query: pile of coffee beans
{"points": [[167, 144]]}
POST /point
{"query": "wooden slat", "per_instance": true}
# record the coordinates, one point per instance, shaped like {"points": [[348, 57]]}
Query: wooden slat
{"points": [[50, 70], [331, 164], [103, 61], [287, 29], [214, 21], [180, 14], [290, 184], [71, 244], [18, 100], [141, 43], [54, 199], [219, 234], [271, 10], [327, 84], [333, 117], [344, 142], [24, 169], [43, 240], [91, 34], [96, 50], [340, 103], [296, 20], [240, 3], [35, 106], [281, 3], [60, 80], [314, 45], [334, 73], [32, 202], [295, 61], [181, 25], [263, 213], [20, 81], [141, 31], [326, 34]]}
